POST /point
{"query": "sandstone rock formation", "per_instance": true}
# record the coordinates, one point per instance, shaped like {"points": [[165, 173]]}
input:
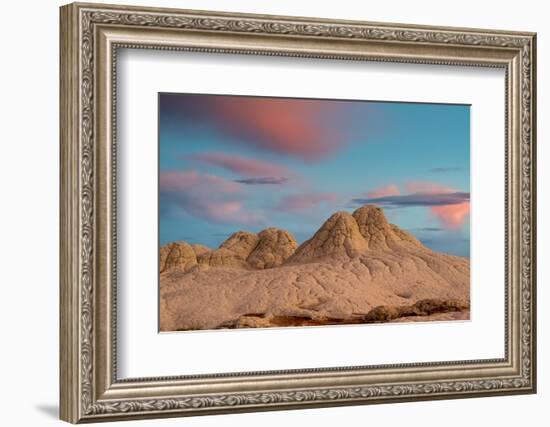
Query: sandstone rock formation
{"points": [[177, 256], [273, 248], [357, 268], [221, 258], [231, 253], [339, 235], [378, 233], [241, 243], [200, 249], [267, 249]]}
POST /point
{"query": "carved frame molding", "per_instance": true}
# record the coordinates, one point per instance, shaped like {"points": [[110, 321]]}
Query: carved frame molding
{"points": [[90, 36]]}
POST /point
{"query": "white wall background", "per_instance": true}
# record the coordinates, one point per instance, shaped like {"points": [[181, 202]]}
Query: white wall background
{"points": [[29, 170]]}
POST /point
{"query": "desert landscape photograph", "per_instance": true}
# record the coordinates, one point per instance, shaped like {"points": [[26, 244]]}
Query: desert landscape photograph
{"points": [[296, 212]]}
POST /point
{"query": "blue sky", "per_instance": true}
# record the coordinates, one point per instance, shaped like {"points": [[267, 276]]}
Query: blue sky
{"points": [[230, 163]]}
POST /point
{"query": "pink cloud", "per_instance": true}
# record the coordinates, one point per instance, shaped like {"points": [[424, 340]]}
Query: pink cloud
{"points": [[387, 190], [185, 180], [207, 197], [297, 202], [292, 127], [228, 213], [243, 165], [445, 203], [426, 187], [452, 216]]}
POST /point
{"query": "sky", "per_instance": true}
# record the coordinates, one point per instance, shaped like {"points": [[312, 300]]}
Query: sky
{"points": [[230, 163]]}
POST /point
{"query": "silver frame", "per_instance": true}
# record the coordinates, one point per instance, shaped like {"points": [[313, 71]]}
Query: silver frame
{"points": [[90, 37]]}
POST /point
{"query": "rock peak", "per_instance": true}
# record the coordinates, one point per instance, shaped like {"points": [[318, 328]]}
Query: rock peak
{"points": [[374, 226], [351, 234], [371, 211], [177, 256], [339, 235], [241, 243], [371, 215], [273, 248], [378, 232], [343, 234]]}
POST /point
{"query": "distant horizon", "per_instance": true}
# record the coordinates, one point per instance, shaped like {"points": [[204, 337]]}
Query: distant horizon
{"points": [[230, 163], [224, 237]]}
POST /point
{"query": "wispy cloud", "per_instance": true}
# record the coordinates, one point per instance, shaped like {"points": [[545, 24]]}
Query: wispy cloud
{"points": [[262, 180], [427, 187], [207, 197], [453, 216], [416, 199], [449, 206], [242, 165], [387, 190], [186, 180], [429, 229], [298, 202], [305, 129], [294, 127]]}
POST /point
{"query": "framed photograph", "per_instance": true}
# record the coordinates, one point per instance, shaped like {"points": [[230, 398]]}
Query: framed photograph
{"points": [[265, 212], [322, 250]]}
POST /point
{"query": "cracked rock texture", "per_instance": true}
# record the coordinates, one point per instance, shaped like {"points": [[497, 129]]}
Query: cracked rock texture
{"points": [[231, 253], [200, 249], [353, 265], [339, 235], [177, 256], [273, 248]]}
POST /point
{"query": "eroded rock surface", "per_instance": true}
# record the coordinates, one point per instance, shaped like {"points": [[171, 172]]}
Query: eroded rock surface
{"points": [[339, 235], [200, 249], [231, 253], [177, 256], [241, 243], [378, 232], [353, 264], [273, 248]]}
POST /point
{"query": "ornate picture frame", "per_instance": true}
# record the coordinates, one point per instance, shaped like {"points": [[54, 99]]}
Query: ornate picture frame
{"points": [[90, 37]]}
